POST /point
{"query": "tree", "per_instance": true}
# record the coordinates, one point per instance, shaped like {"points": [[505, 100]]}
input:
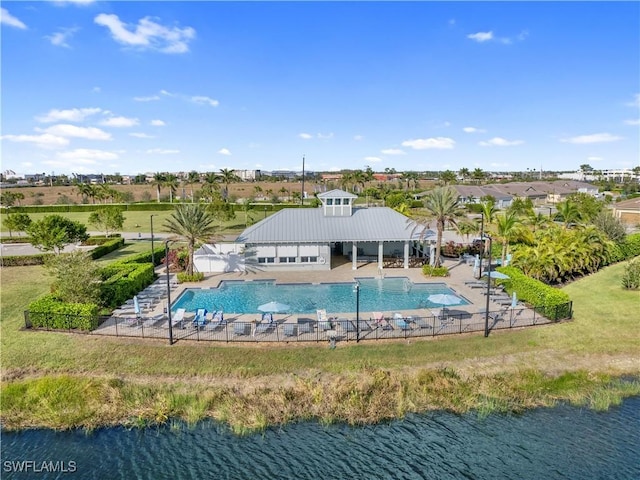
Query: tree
{"points": [[108, 219], [86, 190], [464, 173], [611, 226], [443, 205], [227, 176], [478, 175], [76, 277], [448, 177], [54, 232], [158, 181], [508, 230], [8, 199], [18, 222], [194, 223], [193, 177], [171, 182], [569, 213]]}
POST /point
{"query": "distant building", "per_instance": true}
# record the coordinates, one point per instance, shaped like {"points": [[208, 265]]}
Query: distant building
{"points": [[628, 211]]}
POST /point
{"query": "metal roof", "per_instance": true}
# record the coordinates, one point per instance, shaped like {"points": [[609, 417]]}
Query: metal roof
{"points": [[336, 193], [309, 225]]}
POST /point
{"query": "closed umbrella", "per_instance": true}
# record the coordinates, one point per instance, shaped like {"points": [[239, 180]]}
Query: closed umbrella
{"points": [[136, 306], [274, 307], [476, 266], [514, 299]]}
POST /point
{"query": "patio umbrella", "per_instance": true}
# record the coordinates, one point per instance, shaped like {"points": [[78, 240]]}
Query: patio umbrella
{"points": [[495, 274], [476, 266], [136, 305], [274, 307], [444, 299]]}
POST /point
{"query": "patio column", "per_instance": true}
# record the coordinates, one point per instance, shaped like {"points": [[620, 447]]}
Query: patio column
{"points": [[380, 254], [406, 254], [354, 256]]}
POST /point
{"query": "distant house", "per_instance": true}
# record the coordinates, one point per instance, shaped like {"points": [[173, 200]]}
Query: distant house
{"points": [[628, 211], [306, 238]]}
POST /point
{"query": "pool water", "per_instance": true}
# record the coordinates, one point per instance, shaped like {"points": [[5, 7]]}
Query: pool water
{"points": [[388, 294]]}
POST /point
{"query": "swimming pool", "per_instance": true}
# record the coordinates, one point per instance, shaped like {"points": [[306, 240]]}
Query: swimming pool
{"points": [[396, 294]]}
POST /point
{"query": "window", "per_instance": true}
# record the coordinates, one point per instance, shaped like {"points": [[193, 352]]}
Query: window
{"points": [[345, 201], [287, 259], [329, 201], [338, 201], [266, 260], [309, 259]]}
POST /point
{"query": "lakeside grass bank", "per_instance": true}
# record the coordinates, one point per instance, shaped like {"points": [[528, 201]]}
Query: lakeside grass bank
{"points": [[56, 380]]}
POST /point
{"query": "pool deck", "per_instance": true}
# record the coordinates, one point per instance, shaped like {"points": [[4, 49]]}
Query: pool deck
{"points": [[459, 273]]}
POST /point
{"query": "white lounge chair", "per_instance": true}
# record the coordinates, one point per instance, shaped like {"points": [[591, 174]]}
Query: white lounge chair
{"points": [[178, 318]]}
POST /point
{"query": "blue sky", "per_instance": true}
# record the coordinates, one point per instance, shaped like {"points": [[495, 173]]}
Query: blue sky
{"points": [[132, 87]]}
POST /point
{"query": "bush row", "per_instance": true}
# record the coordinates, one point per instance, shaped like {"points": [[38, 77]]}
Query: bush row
{"points": [[22, 239], [106, 247], [49, 312], [130, 207], [100, 239], [24, 260], [554, 303], [629, 248]]}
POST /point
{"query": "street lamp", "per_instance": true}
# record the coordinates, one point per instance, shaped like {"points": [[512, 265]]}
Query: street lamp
{"points": [[486, 311], [265, 211], [481, 243], [357, 290], [166, 259], [153, 258]]}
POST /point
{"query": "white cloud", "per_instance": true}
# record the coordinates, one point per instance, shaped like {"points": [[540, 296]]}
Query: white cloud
{"points": [[70, 115], [305, 136], [96, 89], [45, 140], [141, 135], [26, 164], [7, 19], [168, 94], [635, 102], [59, 39], [595, 159], [90, 133], [87, 155], [201, 100], [500, 142], [481, 36], [635, 122], [161, 151], [441, 143], [372, 159], [72, 2], [148, 34], [146, 99], [158, 123], [357, 138], [323, 136], [224, 151], [120, 122], [393, 151], [473, 130], [594, 138]]}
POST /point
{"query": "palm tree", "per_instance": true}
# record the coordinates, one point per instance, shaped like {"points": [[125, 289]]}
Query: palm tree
{"points": [[86, 190], [227, 176], [158, 181], [194, 223], [443, 205], [478, 175], [448, 177], [171, 182], [464, 173], [507, 228], [569, 212], [192, 177], [488, 211]]}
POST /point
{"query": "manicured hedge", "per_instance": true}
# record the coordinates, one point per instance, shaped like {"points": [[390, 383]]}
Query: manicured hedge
{"points": [[49, 312], [24, 260], [100, 239], [107, 247], [131, 207], [552, 302]]}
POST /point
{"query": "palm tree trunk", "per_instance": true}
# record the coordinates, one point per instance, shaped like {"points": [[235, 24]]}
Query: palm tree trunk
{"points": [[190, 249], [436, 263], [158, 191]]}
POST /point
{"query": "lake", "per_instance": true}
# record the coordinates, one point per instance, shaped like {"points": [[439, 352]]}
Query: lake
{"points": [[556, 443]]}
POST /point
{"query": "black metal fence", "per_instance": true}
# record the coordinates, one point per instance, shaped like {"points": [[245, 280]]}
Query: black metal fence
{"points": [[306, 329]]}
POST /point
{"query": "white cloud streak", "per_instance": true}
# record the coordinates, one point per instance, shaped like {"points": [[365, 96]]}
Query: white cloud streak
{"points": [[87, 154], [373, 159], [473, 130], [151, 98], [202, 100], [140, 135], [305, 136], [70, 115], [158, 123], [481, 36], [161, 151], [224, 151], [634, 123], [147, 34], [500, 142], [120, 122], [7, 19], [45, 140], [439, 143], [60, 39], [89, 133], [594, 138]]}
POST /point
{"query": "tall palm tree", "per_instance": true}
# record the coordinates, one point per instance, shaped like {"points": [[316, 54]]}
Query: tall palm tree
{"points": [[569, 212], [227, 176], [464, 173], [192, 177], [86, 190], [194, 223], [507, 229], [478, 175], [443, 205], [158, 181], [448, 177], [171, 182]]}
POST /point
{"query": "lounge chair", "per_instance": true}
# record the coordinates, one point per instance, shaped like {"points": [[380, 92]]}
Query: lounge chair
{"points": [[305, 326], [151, 321], [242, 328], [266, 324], [380, 322], [401, 322], [200, 320], [422, 322], [324, 323], [178, 318], [217, 320], [290, 329], [347, 325]]}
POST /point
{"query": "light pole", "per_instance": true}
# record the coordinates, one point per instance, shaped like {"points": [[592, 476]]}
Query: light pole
{"points": [[265, 211], [486, 312], [482, 243], [357, 289], [166, 259], [549, 211], [153, 258]]}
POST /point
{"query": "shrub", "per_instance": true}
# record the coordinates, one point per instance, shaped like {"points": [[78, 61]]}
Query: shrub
{"points": [[452, 249], [185, 277], [49, 312], [24, 260], [631, 275], [107, 247], [430, 271]]}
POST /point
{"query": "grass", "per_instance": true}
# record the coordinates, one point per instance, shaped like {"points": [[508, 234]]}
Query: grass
{"points": [[129, 381]]}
